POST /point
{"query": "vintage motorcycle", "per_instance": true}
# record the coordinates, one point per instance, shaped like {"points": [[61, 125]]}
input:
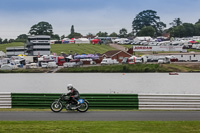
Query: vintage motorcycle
{"points": [[67, 102]]}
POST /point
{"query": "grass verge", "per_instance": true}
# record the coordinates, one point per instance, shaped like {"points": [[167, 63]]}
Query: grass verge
{"points": [[117, 68], [13, 44], [101, 126], [41, 70], [136, 68]]}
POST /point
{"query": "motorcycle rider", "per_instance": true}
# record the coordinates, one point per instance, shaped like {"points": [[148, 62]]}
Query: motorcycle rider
{"points": [[74, 93]]}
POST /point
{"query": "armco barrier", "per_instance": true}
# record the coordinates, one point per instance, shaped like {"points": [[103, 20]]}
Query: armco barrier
{"points": [[96, 101], [5, 100], [169, 102]]}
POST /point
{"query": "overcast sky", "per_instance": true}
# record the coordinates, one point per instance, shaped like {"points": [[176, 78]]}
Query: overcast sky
{"points": [[88, 16]]}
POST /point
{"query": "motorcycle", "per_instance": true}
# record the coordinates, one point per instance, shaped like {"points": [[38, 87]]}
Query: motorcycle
{"points": [[67, 102]]}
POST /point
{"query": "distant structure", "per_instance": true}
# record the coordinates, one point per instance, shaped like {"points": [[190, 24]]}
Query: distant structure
{"points": [[38, 45], [35, 45], [15, 51]]}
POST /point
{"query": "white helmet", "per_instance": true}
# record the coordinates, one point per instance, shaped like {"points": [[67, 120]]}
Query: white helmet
{"points": [[69, 86]]}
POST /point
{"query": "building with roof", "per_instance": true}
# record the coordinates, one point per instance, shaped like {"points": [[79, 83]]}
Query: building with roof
{"points": [[15, 51], [38, 45], [35, 45], [116, 54]]}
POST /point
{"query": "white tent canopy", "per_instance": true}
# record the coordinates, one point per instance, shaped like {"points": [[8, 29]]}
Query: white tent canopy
{"points": [[82, 40], [2, 54], [144, 38]]}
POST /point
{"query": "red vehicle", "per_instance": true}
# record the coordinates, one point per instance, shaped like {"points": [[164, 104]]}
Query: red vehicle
{"points": [[60, 60]]}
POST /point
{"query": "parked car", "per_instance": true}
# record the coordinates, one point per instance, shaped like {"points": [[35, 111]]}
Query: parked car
{"points": [[32, 65], [69, 64], [109, 61], [163, 60], [6, 67], [52, 65], [44, 64], [73, 64]]}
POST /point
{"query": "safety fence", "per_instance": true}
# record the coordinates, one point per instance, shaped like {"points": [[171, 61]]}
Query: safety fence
{"points": [[96, 101], [169, 101], [5, 100], [106, 101]]}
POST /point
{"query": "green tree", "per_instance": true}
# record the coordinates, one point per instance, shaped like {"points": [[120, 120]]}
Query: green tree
{"points": [[22, 38], [90, 35], [176, 22], [1, 40], [130, 35], [55, 37], [189, 29], [113, 35], [198, 21], [74, 34], [11, 40], [62, 37], [102, 34], [147, 31], [184, 30], [178, 31], [42, 28], [123, 33], [72, 29], [148, 18], [197, 29], [5, 41]]}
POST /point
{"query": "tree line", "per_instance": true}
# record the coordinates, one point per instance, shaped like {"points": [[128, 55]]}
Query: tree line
{"points": [[146, 23]]}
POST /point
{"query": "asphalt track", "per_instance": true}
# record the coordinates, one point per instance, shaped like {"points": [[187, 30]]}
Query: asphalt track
{"points": [[101, 116]]}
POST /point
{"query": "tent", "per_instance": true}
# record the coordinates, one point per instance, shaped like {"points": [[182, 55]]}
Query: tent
{"points": [[82, 40], [145, 38], [194, 42], [2, 54], [198, 41], [72, 40], [65, 40], [95, 41]]}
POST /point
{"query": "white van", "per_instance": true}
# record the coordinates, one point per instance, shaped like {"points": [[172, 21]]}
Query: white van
{"points": [[32, 65], [109, 61], [52, 65], [164, 60], [6, 67]]}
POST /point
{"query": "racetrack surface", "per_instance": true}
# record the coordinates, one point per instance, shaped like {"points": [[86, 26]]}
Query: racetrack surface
{"points": [[101, 116]]}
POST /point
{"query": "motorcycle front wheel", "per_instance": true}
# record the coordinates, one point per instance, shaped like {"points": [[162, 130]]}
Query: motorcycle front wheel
{"points": [[56, 106], [83, 107]]}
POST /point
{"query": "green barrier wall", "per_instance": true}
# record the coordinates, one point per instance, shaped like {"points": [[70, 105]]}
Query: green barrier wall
{"points": [[96, 101]]}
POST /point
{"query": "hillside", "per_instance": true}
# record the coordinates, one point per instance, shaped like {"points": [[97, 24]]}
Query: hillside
{"points": [[13, 44], [67, 48], [80, 48]]}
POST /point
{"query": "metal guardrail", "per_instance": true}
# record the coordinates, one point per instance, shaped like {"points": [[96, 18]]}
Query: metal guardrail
{"points": [[96, 101], [169, 101], [5, 100]]}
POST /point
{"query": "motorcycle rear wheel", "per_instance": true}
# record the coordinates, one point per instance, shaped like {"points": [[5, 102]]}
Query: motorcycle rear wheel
{"points": [[56, 106]]}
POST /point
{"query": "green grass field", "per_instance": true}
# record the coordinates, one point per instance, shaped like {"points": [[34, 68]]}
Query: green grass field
{"points": [[67, 48], [80, 48], [13, 44], [100, 126], [127, 45]]}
